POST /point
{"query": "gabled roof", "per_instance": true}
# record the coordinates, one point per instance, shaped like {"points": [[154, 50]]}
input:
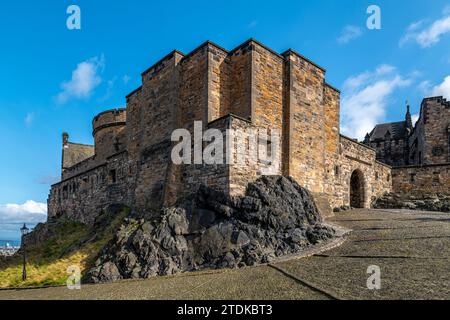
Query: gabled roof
{"points": [[397, 131], [74, 153]]}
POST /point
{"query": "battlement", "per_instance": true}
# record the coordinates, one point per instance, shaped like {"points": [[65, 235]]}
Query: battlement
{"points": [[249, 88], [246, 47], [437, 99], [109, 118]]}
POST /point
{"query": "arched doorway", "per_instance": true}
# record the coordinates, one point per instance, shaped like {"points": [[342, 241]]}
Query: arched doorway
{"points": [[357, 189]]}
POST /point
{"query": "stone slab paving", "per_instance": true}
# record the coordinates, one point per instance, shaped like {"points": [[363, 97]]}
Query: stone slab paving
{"points": [[250, 283], [412, 250]]}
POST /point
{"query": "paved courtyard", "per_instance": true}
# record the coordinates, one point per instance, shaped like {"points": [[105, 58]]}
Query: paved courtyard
{"points": [[411, 248]]}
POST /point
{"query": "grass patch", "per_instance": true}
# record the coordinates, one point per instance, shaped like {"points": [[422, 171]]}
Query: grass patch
{"points": [[72, 243]]}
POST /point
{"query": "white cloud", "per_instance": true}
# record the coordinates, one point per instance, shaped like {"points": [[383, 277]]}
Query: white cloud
{"points": [[29, 212], [349, 33], [431, 34], [365, 99], [354, 82], [428, 89], [425, 87], [415, 118], [109, 89], [85, 78], [442, 89], [411, 32], [126, 78], [29, 119]]}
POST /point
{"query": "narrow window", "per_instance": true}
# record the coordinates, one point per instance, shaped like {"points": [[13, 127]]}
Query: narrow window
{"points": [[436, 177], [113, 176], [413, 177], [336, 171]]}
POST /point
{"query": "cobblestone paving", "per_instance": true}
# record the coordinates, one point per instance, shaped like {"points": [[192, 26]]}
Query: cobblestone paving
{"points": [[412, 250]]}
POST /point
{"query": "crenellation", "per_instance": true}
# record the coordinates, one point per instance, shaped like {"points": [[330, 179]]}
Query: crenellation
{"points": [[248, 89], [420, 152]]}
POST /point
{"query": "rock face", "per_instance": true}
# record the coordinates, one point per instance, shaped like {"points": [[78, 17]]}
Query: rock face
{"points": [[210, 230], [430, 202]]}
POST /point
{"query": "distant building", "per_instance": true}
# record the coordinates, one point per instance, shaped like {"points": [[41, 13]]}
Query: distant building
{"points": [[426, 143]]}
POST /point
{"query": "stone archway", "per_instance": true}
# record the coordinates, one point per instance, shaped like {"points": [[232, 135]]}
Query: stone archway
{"points": [[357, 189]]}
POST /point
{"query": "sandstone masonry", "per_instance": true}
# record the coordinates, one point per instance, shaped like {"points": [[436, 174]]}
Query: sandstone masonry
{"points": [[250, 86], [420, 154]]}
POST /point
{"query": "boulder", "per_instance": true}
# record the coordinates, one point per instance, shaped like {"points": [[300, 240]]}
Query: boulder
{"points": [[212, 230]]}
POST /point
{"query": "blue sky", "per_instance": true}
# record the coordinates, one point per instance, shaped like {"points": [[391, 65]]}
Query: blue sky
{"points": [[53, 79]]}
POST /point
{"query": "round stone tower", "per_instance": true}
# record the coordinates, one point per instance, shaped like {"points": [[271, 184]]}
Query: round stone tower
{"points": [[109, 132]]}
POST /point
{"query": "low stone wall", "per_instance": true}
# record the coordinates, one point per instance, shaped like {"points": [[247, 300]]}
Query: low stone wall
{"points": [[357, 158], [80, 167], [83, 197], [425, 202], [421, 180]]}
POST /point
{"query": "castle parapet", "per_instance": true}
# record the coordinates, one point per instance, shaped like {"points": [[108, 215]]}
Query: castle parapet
{"points": [[108, 131]]}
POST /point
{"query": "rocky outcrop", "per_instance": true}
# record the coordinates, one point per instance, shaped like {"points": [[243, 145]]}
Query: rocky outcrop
{"points": [[429, 202], [210, 230]]}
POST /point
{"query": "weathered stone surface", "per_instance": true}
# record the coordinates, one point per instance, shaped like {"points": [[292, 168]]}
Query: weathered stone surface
{"points": [[249, 88], [422, 180], [424, 143], [426, 202], [211, 230]]}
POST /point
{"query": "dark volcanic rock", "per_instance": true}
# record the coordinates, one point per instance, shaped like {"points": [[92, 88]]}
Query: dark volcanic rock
{"points": [[210, 230], [425, 202]]}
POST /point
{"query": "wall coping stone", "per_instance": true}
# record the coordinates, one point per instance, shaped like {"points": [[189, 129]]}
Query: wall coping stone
{"points": [[80, 174], [357, 142], [229, 115], [423, 166], [292, 51], [133, 92], [166, 57], [332, 87]]}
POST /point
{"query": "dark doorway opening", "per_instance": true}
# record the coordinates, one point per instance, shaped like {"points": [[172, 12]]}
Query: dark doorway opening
{"points": [[357, 189]]}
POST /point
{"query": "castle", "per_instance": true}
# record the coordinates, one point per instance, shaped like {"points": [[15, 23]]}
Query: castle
{"points": [[248, 87], [427, 143]]}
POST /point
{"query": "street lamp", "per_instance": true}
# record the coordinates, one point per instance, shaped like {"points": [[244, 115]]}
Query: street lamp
{"points": [[24, 230]]}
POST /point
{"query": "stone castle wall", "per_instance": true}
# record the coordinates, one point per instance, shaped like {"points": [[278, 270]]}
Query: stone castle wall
{"points": [[332, 140], [428, 142], [249, 88], [357, 157], [305, 108], [391, 151], [435, 116], [422, 180], [82, 197], [109, 133]]}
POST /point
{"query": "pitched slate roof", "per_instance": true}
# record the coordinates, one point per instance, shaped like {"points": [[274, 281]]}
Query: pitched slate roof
{"points": [[397, 131]]}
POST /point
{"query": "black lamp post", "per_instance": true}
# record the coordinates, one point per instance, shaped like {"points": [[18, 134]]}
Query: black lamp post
{"points": [[24, 230]]}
